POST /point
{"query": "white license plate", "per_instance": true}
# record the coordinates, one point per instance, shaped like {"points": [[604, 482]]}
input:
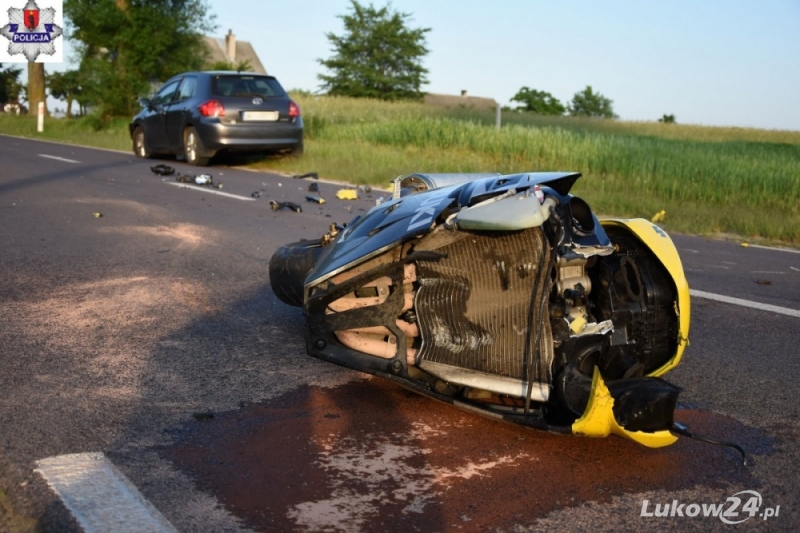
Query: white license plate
{"points": [[270, 116]]}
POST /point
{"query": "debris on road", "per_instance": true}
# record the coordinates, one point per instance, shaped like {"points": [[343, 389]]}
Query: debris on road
{"points": [[256, 194], [764, 282], [379, 200], [203, 415], [659, 217], [163, 170], [202, 179], [347, 194], [366, 188], [745, 245], [313, 187], [97, 214], [314, 198], [312, 175], [276, 206]]}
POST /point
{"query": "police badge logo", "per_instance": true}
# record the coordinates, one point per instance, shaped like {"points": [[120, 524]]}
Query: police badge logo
{"points": [[31, 33]]}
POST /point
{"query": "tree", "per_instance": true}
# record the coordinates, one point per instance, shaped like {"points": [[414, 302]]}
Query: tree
{"points": [[10, 86], [667, 119], [126, 45], [588, 103], [36, 92], [65, 86], [378, 56], [239, 66], [539, 102]]}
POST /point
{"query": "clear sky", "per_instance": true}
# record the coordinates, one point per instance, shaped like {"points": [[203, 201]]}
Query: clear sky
{"points": [[714, 62]]}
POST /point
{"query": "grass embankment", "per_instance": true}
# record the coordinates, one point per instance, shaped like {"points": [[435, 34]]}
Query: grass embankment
{"points": [[709, 180]]}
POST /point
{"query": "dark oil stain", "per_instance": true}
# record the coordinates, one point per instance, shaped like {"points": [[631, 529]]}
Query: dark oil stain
{"points": [[371, 456]]}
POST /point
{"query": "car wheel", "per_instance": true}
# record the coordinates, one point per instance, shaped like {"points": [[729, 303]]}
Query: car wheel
{"points": [[139, 144], [288, 269], [193, 148], [297, 149]]}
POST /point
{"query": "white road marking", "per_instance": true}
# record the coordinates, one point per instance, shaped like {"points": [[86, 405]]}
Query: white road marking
{"points": [[745, 303], [58, 158], [99, 496], [791, 251], [795, 269], [209, 191], [767, 272]]}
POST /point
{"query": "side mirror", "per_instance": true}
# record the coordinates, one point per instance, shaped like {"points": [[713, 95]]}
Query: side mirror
{"points": [[145, 102]]}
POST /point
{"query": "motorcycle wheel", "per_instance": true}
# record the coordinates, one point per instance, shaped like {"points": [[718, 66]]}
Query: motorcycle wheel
{"points": [[288, 269]]}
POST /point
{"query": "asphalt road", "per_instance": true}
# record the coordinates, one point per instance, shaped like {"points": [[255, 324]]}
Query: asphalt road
{"points": [[150, 334]]}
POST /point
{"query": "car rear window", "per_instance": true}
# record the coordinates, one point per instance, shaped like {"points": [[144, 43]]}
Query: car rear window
{"points": [[246, 86]]}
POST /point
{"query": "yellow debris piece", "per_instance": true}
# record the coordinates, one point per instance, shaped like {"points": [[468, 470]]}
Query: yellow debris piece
{"points": [[659, 217], [97, 214], [745, 245], [347, 194]]}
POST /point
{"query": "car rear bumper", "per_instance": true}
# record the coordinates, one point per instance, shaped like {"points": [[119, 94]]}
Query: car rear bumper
{"points": [[242, 137]]}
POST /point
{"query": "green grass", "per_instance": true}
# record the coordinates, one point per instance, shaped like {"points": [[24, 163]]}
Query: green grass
{"points": [[86, 131], [709, 180]]}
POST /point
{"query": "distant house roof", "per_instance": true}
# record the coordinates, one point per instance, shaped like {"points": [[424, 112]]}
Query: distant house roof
{"points": [[233, 51], [452, 100]]}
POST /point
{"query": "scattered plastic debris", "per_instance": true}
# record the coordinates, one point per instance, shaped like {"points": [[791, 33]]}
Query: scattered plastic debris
{"points": [[764, 282], [97, 214], [347, 194], [312, 175], [276, 206], [366, 188], [313, 187], [379, 200], [745, 245], [659, 217], [163, 170], [314, 198], [256, 194], [202, 179]]}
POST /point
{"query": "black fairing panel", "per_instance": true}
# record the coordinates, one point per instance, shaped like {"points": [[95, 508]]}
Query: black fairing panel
{"points": [[402, 219]]}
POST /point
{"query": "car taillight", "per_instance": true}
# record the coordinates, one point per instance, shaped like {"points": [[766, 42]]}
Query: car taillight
{"points": [[212, 108], [294, 109]]}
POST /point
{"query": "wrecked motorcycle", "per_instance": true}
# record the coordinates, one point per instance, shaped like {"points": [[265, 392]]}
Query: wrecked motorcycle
{"points": [[503, 295]]}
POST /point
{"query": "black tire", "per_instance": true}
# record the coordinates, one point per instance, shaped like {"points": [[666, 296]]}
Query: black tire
{"points": [[297, 149], [288, 269], [140, 144], [193, 148]]}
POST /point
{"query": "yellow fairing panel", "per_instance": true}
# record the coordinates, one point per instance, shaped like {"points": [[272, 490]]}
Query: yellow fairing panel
{"points": [[598, 419], [659, 242]]}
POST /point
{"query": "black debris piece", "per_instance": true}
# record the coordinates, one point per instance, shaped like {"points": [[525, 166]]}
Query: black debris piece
{"points": [[184, 178], [314, 198], [312, 175], [276, 206], [313, 187], [764, 282], [256, 194], [367, 189], [203, 415], [163, 170]]}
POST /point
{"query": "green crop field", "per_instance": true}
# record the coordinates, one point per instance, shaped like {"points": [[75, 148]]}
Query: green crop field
{"points": [[709, 180]]}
